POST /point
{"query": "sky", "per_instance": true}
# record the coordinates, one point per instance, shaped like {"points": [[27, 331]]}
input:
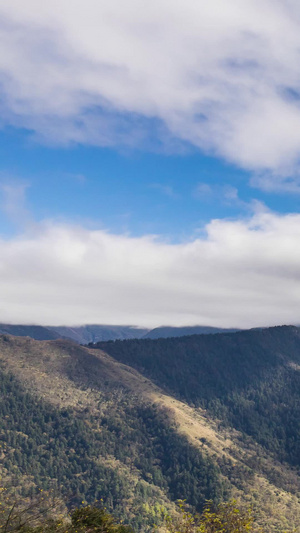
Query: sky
{"points": [[150, 162]]}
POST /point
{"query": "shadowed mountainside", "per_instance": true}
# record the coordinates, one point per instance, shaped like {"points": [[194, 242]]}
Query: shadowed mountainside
{"points": [[249, 379]]}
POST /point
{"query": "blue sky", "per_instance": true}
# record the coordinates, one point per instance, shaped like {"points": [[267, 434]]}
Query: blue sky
{"points": [[149, 170], [132, 191]]}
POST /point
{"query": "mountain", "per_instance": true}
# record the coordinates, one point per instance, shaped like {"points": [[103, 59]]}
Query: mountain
{"points": [[249, 379], [168, 331], [35, 332], [78, 422], [96, 333], [141, 423], [81, 335]]}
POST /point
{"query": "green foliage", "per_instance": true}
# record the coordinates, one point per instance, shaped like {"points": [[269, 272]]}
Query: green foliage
{"points": [[18, 514], [36, 517], [41, 515], [224, 518], [96, 520]]}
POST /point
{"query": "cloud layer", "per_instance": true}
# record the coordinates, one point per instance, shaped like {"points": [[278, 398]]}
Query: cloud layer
{"points": [[242, 273], [223, 76]]}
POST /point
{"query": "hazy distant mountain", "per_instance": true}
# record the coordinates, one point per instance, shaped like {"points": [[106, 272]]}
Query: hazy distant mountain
{"points": [[81, 335], [39, 333], [169, 331], [96, 333]]}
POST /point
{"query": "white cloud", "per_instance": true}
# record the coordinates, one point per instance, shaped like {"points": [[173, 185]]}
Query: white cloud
{"points": [[223, 76], [242, 273]]}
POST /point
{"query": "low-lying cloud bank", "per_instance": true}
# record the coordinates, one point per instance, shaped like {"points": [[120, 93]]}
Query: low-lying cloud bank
{"points": [[223, 76], [243, 273]]}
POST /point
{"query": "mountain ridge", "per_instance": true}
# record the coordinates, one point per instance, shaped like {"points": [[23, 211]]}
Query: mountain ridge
{"points": [[95, 333], [170, 331]]}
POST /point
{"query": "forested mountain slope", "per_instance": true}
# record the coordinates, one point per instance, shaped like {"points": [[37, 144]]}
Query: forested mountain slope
{"points": [[77, 419], [249, 379]]}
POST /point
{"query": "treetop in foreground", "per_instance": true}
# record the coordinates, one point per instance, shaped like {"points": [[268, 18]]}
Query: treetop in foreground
{"points": [[33, 518]]}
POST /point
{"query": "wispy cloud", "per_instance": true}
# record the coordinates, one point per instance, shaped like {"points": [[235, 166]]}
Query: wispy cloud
{"points": [[80, 179], [167, 190], [13, 203], [203, 190], [272, 182], [221, 76], [224, 194]]}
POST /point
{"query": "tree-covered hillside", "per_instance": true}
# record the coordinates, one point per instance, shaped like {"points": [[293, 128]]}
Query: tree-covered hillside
{"points": [[125, 452], [77, 420], [249, 380]]}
